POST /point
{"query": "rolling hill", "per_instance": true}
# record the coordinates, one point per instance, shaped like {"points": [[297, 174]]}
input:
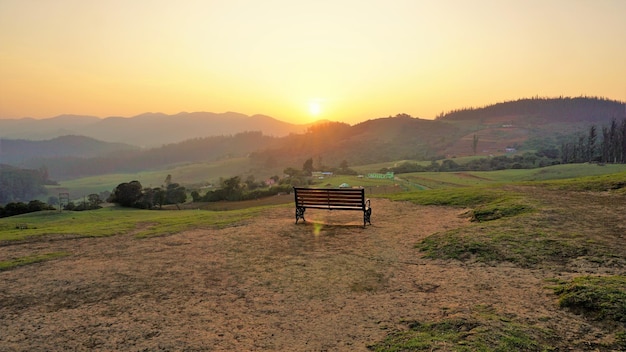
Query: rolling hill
{"points": [[521, 124], [18, 151]]}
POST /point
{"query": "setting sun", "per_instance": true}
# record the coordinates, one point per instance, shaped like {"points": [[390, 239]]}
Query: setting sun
{"points": [[315, 108]]}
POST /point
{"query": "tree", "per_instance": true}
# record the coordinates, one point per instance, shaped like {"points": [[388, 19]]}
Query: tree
{"points": [[623, 138], [127, 194], [250, 183], [614, 142], [94, 201], [175, 194], [307, 167], [591, 143], [605, 145], [232, 188], [475, 144], [159, 196], [19, 184], [291, 172]]}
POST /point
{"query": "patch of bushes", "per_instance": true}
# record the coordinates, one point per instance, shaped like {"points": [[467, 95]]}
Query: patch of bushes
{"points": [[526, 161], [18, 208]]}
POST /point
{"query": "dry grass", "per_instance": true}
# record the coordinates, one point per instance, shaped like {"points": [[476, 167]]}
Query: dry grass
{"points": [[267, 284]]}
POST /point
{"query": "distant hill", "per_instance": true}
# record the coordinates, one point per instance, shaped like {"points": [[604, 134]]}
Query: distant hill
{"points": [[541, 121], [17, 151], [146, 130], [521, 125], [539, 111], [377, 140]]}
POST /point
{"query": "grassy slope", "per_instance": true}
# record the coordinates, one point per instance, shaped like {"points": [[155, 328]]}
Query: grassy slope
{"points": [[115, 220], [198, 174], [210, 173]]}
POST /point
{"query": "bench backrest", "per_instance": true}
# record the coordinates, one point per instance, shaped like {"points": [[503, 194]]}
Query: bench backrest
{"points": [[332, 198]]}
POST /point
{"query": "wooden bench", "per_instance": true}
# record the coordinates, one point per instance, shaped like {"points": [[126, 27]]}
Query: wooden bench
{"points": [[332, 199]]}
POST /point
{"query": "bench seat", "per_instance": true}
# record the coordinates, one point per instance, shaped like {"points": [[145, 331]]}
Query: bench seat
{"points": [[332, 199]]}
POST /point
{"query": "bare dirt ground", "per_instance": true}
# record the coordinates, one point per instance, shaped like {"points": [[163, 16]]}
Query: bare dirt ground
{"points": [[264, 285]]}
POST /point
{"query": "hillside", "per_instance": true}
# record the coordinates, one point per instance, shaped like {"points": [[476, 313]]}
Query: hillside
{"points": [[511, 124], [522, 124], [539, 111], [19, 150]]}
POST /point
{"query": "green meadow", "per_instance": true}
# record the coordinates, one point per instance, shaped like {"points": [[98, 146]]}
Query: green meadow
{"points": [[197, 174], [114, 220]]}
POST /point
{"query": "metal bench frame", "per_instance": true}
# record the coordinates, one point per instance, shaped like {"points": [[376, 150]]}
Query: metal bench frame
{"points": [[332, 199]]}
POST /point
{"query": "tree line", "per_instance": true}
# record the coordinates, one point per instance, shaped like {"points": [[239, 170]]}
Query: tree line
{"points": [[17, 208], [19, 185], [542, 158], [133, 194], [565, 109], [606, 146]]}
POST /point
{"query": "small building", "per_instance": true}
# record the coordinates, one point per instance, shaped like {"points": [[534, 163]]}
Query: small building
{"points": [[388, 175]]}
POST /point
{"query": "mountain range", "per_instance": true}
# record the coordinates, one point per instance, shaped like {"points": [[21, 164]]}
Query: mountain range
{"points": [[524, 124], [146, 130]]}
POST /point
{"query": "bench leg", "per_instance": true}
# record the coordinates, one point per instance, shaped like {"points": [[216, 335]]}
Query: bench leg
{"points": [[300, 214], [366, 216]]}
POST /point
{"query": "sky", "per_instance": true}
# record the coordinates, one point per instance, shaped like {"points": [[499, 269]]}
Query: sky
{"points": [[299, 61]]}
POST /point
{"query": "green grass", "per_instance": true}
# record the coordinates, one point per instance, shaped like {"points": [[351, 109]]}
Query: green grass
{"points": [[598, 297], [186, 174], [487, 203], [467, 335], [527, 232], [454, 197], [201, 173], [115, 220], [354, 181], [31, 259], [438, 180], [506, 244], [597, 183]]}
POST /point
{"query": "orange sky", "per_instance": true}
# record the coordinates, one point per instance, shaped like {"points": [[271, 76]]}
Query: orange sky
{"points": [[297, 61]]}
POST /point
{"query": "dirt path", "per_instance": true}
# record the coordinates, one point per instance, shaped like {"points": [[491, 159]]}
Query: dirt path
{"points": [[267, 285]]}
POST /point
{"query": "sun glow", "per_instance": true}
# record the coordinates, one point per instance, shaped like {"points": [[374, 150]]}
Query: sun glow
{"points": [[114, 58], [315, 108]]}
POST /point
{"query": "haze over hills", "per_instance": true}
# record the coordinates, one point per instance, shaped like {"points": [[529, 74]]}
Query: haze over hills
{"points": [[521, 124], [146, 130], [17, 151]]}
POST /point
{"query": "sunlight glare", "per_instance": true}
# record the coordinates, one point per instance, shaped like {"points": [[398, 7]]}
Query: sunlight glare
{"points": [[315, 108]]}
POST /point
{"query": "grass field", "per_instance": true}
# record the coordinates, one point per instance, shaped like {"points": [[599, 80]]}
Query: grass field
{"points": [[111, 221], [210, 173], [563, 224], [189, 174]]}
